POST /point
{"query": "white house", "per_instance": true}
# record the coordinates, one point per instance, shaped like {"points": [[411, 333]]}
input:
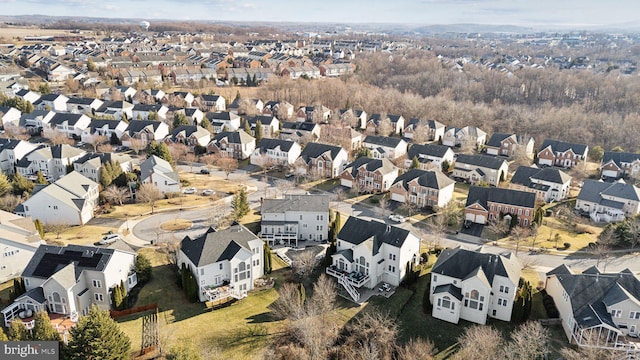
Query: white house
{"points": [[369, 175], [12, 151], [430, 156], [225, 263], [89, 165], [275, 152], [51, 161], [221, 120], [9, 116], [52, 102], [385, 147], [71, 125], [82, 105], [322, 160], [69, 280], [293, 218], [19, 240], [472, 285], [370, 252], [190, 135], [146, 131], [608, 202], [468, 135], [475, 168], [423, 188], [234, 144], [598, 310], [71, 200], [549, 184], [106, 128], [160, 173]]}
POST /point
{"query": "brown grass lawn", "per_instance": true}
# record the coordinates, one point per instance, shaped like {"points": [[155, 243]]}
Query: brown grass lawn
{"points": [[176, 225], [4, 291], [80, 235], [10, 33]]}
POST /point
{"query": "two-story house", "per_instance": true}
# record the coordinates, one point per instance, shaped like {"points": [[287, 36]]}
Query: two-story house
{"points": [[146, 131], [430, 156], [369, 252], [53, 102], [423, 188], [194, 115], [83, 105], [618, 164], [385, 147], [19, 240], [373, 124], [9, 116], [223, 121], [225, 262], [296, 130], [159, 173], [51, 161], [608, 202], [560, 153], [466, 136], [508, 145], [117, 110], [190, 135], [476, 168], [271, 152], [355, 118], [212, 102], [473, 285], [270, 124], [295, 218], [237, 144], [597, 310], [71, 200], [281, 109], [71, 125], [493, 204], [433, 128], [106, 128], [549, 184], [322, 160], [143, 111], [90, 165], [12, 151], [369, 175]]}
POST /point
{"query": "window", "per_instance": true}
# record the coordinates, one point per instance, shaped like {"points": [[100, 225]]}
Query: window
{"points": [[446, 302], [220, 266], [201, 271], [98, 297], [435, 278], [616, 313], [473, 300], [97, 283], [392, 269], [634, 315]]}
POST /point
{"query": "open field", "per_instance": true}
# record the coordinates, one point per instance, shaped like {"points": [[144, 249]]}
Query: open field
{"points": [[12, 32]]}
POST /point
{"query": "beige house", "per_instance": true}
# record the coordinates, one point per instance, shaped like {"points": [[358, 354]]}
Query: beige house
{"points": [[476, 168], [423, 188]]}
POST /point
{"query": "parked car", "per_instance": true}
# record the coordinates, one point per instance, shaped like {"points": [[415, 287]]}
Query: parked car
{"points": [[396, 218], [190, 190], [205, 171], [109, 239], [208, 192]]}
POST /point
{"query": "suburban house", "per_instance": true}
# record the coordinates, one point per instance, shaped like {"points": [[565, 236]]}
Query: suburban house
{"points": [[473, 285], [90, 164], [322, 160], [53, 102], [475, 168], [146, 131], [597, 309], [280, 109], [500, 144], [423, 188], [51, 161], [19, 240], [385, 147], [396, 121], [370, 252], [369, 175], [194, 115], [71, 125], [225, 263], [9, 116], [356, 118], [560, 153], [71, 200], [36, 121], [212, 102], [235, 144], [241, 106], [619, 164], [466, 136], [116, 110], [12, 151], [434, 129], [69, 280], [83, 105], [271, 152], [185, 96], [313, 114], [430, 156], [143, 111], [159, 172], [223, 121], [295, 218], [296, 130], [28, 95], [608, 202], [493, 204], [270, 124], [191, 135], [549, 184], [106, 128]]}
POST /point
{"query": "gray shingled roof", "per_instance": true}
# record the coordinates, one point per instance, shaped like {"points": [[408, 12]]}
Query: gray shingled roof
{"points": [[496, 139], [385, 141], [481, 161], [524, 175], [234, 137], [356, 231], [314, 150], [49, 259], [434, 150], [459, 263], [429, 179], [482, 195], [312, 203], [561, 146], [267, 143], [370, 164], [619, 157], [449, 289], [214, 246], [592, 191]]}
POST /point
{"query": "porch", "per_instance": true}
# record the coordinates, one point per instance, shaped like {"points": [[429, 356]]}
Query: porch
{"points": [[354, 278], [604, 337], [218, 293]]}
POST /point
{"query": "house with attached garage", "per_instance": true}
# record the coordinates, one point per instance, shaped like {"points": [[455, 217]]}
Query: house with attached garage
{"points": [[423, 188], [508, 145], [322, 160], [28, 95], [51, 161], [106, 128], [296, 130], [280, 109], [619, 164], [194, 115], [384, 147], [369, 252], [355, 118], [434, 129], [473, 285], [53, 102], [71, 200], [82, 105], [271, 152], [145, 130], [71, 125], [19, 240], [69, 280], [212, 102], [598, 310], [560, 153], [12, 151], [608, 202], [294, 218], [234, 144], [90, 164], [116, 110], [159, 173], [430, 156], [225, 263], [466, 136], [549, 184], [36, 121], [476, 168], [396, 121], [185, 96], [191, 135], [494, 204], [143, 111], [270, 124], [223, 121], [369, 175]]}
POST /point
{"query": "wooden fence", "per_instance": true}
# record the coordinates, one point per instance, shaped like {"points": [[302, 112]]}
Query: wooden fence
{"points": [[138, 309]]}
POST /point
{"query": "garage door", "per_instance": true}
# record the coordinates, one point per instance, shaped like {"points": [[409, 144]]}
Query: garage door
{"points": [[397, 197], [345, 182], [470, 217], [480, 219], [610, 173]]}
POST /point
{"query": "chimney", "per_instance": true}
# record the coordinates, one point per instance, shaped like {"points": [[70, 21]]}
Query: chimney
{"points": [[388, 228]]}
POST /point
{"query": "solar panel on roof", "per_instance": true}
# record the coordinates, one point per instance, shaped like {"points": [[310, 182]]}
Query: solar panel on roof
{"points": [[51, 263]]}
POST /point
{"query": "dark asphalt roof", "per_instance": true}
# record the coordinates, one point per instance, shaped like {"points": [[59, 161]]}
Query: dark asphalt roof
{"points": [[481, 161], [561, 146], [429, 179], [356, 231], [434, 150], [385, 141], [314, 150], [496, 139], [460, 263], [214, 246], [49, 259], [449, 289], [482, 195]]}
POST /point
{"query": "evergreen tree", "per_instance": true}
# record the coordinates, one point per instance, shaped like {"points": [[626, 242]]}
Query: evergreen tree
{"points": [[538, 215], [302, 293], [415, 163], [97, 336], [114, 139], [160, 150], [21, 185], [116, 297], [206, 124], [42, 328], [39, 227], [258, 132], [3, 336], [5, 184], [267, 259], [445, 166], [125, 298], [363, 152], [180, 119], [41, 180], [143, 269], [91, 66], [237, 95], [239, 204], [104, 178], [44, 89], [247, 127], [18, 331]]}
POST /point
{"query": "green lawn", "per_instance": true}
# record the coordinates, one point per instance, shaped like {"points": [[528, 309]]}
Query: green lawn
{"points": [[328, 185]]}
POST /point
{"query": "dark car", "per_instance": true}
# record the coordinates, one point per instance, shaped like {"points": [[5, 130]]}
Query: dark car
{"points": [[205, 171], [467, 224]]}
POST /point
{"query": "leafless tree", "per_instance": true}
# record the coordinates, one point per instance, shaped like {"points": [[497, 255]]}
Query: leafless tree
{"points": [[304, 264], [452, 212], [602, 247], [9, 201], [385, 128], [420, 134], [105, 148], [148, 194], [340, 194], [95, 140], [178, 151], [438, 230], [227, 164], [479, 342], [56, 228], [323, 300], [137, 145], [528, 341], [284, 185], [209, 160], [289, 303], [16, 132], [58, 137], [372, 336], [634, 232], [498, 227], [517, 235], [115, 194], [190, 158], [417, 349]]}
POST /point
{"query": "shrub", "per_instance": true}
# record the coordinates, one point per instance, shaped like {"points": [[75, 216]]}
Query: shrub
{"points": [[567, 245], [426, 303], [173, 195], [424, 258]]}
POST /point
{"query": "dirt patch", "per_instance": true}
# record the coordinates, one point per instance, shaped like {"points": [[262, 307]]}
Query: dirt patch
{"points": [[176, 225], [294, 254]]}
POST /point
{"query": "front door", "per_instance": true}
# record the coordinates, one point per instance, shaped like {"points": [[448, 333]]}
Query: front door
{"points": [[218, 279], [632, 330]]}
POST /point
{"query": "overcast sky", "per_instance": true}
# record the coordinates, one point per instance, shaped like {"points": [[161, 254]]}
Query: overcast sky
{"points": [[499, 12]]}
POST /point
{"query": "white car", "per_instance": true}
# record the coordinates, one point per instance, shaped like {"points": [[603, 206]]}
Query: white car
{"points": [[109, 239], [190, 190], [396, 218], [208, 192]]}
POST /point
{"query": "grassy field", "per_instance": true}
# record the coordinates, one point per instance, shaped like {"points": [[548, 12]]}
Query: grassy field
{"points": [[80, 235]]}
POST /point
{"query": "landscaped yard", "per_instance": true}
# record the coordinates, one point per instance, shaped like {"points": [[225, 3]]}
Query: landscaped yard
{"points": [[80, 235]]}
